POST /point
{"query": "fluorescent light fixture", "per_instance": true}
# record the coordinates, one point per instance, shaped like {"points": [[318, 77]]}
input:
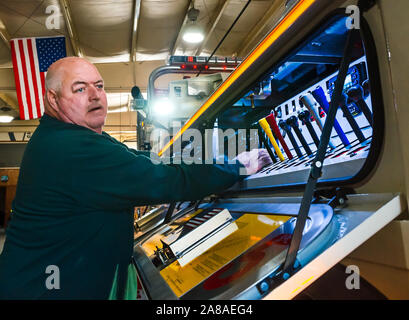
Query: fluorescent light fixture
{"points": [[163, 106], [6, 119], [193, 34], [119, 109]]}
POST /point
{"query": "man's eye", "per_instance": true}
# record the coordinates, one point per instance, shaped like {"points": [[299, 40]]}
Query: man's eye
{"points": [[100, 86], [80, 90]]}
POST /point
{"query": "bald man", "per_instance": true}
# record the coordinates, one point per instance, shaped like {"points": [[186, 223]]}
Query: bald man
{"points": [[75, 93], [71, 232]]}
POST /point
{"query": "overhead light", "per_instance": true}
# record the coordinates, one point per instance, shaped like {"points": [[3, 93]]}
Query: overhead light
{"points": [[6, 119], [163, 107], [7, 114], [118, 109], [193, 33]]}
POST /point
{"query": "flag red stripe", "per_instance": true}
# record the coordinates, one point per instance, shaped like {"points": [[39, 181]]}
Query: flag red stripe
{"points": [[34, 77], [17, 78], [42, 76], [27, 88]]}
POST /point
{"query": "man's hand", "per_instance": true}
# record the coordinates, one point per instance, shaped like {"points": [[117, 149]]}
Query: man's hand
{"points": [[254, 160]]}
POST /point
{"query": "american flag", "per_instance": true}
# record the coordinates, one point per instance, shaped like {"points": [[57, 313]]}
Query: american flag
{"points": [[31, 59]]}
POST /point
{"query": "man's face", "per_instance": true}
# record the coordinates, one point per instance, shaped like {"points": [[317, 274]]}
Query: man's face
{"points": [[82, 99]]}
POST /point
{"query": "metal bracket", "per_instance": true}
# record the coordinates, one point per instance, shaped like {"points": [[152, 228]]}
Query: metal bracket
{"points": [[169, 212], [336, 197]]}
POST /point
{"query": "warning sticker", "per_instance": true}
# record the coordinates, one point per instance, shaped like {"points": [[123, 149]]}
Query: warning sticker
{"points": [[251, 229]]}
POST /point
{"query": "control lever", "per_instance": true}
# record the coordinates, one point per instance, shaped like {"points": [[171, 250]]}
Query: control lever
{"points": [[309, 102], [266, 127], [252, 101], [283, 125], [350, 118], [356, 95], [304, 116], [273, 124], [293, 122], [320, 97], [264, 142]]}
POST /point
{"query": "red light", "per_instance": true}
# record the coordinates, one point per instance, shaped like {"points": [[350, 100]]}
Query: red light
{"points": [[224, 67], [182, 66], [189, 59], [206, 67], [195, 67]]}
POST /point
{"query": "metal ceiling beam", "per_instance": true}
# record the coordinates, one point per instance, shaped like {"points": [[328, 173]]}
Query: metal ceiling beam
{"points": [[136, 13], [66, 11], [212, 24], [19, 126], [4, 35], [248, 42], [179, 36], [9, 101]]}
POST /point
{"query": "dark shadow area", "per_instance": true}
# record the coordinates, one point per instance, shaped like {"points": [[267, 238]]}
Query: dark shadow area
{"points": [[331, 286]]}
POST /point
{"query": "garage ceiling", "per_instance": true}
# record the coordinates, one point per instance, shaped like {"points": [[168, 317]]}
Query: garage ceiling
{"points": [[141, 32], [112, 30]]}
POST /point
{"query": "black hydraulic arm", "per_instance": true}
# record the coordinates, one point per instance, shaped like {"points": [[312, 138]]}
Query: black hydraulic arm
{"points": [[316, 168]]}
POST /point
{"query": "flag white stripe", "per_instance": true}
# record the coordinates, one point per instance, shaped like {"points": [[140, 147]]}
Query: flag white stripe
{"points": [[30, 78], [21, 78], [37, 72]]}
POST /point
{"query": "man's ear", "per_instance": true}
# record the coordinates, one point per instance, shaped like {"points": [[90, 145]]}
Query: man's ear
{"points": [[52, 98]]}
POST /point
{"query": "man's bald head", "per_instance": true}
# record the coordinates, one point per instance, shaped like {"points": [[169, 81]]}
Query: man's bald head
{"points": [[55, 72], [75, 93]]}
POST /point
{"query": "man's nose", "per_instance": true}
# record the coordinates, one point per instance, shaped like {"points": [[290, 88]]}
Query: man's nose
{"points": [[93, 93]]}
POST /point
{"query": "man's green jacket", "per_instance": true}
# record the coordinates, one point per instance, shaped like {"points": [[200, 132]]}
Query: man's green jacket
{"points": [[72, 221]]}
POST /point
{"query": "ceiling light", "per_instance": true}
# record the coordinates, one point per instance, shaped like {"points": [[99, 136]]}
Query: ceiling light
{"points": [[193, 33], [6, 119], [118, 109], [7, 114]]}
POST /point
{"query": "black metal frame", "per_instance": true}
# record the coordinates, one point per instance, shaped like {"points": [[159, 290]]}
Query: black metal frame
{"points": [[377, 110]]}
